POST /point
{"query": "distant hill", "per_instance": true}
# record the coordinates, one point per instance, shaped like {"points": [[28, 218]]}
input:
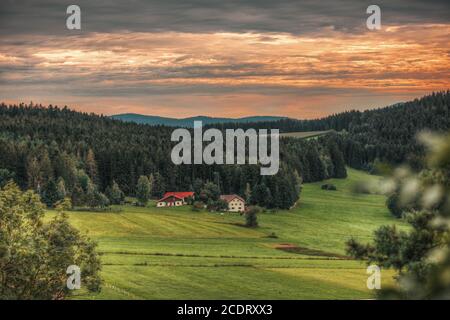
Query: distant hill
{"points": [[189, 122]]}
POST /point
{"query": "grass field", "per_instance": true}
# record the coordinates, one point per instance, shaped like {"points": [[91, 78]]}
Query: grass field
{"points": [[304, 134], [176, 253]]}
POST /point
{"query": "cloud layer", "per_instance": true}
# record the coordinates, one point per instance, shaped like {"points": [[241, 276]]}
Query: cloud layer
{"points": [[234, 58]]}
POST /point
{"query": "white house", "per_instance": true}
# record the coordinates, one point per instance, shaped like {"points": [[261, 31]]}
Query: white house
{"points": [[174, 199], [235, 203]]}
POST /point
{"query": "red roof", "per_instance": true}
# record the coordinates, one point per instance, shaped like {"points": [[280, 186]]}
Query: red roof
{"points": [[179, 195], [182, 195], [230, 197]]}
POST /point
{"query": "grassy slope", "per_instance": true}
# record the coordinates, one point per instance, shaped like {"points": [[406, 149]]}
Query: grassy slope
{"points": [[304, 134], [176, 253]]}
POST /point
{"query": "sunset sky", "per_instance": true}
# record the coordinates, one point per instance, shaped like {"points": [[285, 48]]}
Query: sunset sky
{"points": [[302, 59]]}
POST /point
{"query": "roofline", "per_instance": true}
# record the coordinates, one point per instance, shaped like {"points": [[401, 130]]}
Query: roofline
{"points": [[170, 195], [234, 197]]}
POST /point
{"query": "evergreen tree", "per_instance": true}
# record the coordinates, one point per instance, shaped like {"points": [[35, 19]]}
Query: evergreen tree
{"points": [[5, 176], [143, 190], [210, 192], [50, 194], [261, 195], [197, 186], [251, 216], [115, 194], [159, 187], [91, 165], [248, 192], [34, 174], [61, 188]]}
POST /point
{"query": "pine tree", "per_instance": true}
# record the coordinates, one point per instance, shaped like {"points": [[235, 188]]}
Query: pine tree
{"points": [[248, 192], [159, 186], [261, 195], [50, 194], [115, 194], [91, 165], [143, 190], [34, 174], [61, 188], [251, 218]]}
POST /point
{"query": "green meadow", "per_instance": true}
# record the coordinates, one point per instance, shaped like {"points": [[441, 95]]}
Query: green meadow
{"points": [[305, 134], [176, 253]]}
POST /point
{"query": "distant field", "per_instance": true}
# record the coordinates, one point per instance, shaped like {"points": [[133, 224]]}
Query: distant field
{"points": [[175, 253], [305, 134]]}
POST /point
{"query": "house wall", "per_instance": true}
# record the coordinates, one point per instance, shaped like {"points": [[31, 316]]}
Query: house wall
{"points": [[236, 205], [170, 202]]}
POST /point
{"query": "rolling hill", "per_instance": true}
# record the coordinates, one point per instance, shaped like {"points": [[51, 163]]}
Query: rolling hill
{"points": [[176, 253], [189, 122]]}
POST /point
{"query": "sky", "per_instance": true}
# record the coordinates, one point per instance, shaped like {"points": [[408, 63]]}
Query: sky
{"points": [[181, 58]]}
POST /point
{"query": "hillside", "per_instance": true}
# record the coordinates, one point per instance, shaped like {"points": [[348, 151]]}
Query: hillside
{"points": [[188, 122], [379, 135], [304, 134], [175, 253], [43, 146]]}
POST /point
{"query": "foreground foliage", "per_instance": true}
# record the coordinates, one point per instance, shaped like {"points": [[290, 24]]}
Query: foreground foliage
{"points": [[422, 255], [34, 255]]}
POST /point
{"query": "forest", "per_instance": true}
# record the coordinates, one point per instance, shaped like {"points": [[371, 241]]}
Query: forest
{"points": [[378, 135], [91, 158], [62, 153]]}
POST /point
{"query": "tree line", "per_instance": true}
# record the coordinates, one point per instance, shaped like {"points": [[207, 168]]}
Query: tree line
{"points": [[370, 137], [95, 160]]}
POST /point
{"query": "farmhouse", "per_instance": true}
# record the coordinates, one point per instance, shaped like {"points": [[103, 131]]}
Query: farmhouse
{"points": [[174, 199], [235, 203]]}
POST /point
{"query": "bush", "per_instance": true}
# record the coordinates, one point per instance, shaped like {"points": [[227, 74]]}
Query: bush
{"points": [[115, 194], [6, 176], [330, 187], [251, 219], [218, 205], [189, 200], [210, 192], [97, 209], [392, 203], [197, 206], [361, 187], [34, 258]]}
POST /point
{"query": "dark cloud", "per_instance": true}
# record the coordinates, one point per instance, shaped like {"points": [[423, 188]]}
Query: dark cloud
{"points": [[48, 16]]}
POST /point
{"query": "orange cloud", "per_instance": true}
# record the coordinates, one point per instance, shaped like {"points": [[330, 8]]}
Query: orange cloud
{"points": [[238, 74]]}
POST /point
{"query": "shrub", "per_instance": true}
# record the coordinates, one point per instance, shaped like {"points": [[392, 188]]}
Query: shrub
{"points": [[251, 219], [218, 205], [330, 187], [392, 203], [38, 252], [361, 187], [115, 194], [197, 206]]}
